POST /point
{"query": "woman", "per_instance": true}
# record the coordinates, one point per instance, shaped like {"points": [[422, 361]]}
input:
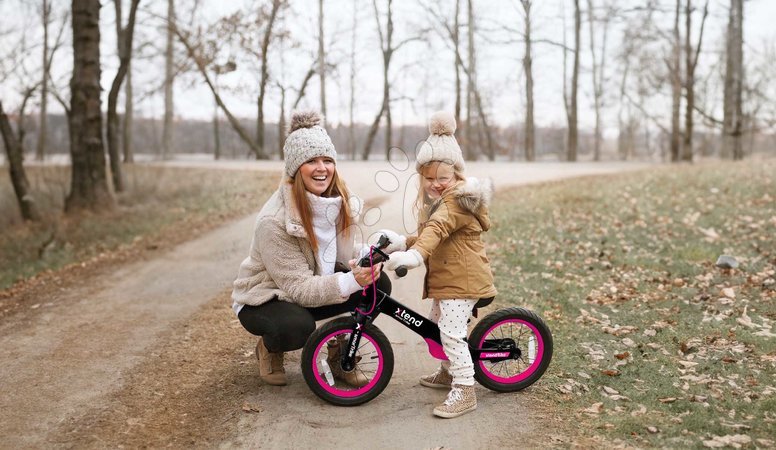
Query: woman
{"points": [[303, 234]]}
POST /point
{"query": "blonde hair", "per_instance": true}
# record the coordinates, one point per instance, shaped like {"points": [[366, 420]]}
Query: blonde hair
{"points": [[423, 202], [336, 188]]}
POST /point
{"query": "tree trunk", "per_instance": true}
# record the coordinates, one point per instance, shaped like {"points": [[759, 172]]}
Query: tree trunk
{"points": [[572, 142], [624, 136], [124, 40], [282, 123], [691, 63], [15, 155], [129, 108], [352, 104], [260, 153], [598, 76], [387, 51], [370, 137], [689, 86], [89, 182], [469, 148], [530, 128], [458, 62], [169, 78], [216, 135], [734, 74], [40, 151], [322, 62], [676, 86]]}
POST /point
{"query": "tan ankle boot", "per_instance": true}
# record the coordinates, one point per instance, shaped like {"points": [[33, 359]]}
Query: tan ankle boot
{"points": [[355, 377], [270, 365]]}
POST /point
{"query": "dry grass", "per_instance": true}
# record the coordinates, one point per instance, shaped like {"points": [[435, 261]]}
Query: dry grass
{"points": [[159, 203], [655, 346]]}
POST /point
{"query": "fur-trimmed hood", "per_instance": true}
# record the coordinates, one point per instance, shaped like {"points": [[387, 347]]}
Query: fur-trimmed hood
{"points": [[473, 196], [474, 193]]}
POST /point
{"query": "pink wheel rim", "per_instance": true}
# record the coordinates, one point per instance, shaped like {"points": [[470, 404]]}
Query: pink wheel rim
{"points": [[528, 371], [333, 390]]}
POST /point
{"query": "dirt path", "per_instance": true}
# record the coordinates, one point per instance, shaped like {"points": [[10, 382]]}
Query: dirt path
{"points": [[150, 355]]}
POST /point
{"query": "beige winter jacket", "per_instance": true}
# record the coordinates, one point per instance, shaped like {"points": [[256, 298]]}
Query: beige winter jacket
{"points": [[281, 262], [450, 243]]}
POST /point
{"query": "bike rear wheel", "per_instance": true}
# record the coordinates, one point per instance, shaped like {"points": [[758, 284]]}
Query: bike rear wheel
{"points": [[374, 365], [505, 330]]}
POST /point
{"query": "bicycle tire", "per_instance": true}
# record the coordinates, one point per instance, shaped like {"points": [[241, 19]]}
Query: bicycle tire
{"points": [[374, 348], [534, 340]]}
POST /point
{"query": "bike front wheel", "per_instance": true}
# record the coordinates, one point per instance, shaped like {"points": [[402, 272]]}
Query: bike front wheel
{"points": [[517, 331], [324, 375]]}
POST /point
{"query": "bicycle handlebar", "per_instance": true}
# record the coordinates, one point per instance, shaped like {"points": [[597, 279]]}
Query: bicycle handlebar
{"points": [[378, 256]]}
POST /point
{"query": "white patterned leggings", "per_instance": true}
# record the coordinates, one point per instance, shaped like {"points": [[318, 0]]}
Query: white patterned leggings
{"points": [[452, 317]]}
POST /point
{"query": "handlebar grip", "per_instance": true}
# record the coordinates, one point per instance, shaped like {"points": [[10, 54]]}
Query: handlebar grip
{"points": [[401, 271]]}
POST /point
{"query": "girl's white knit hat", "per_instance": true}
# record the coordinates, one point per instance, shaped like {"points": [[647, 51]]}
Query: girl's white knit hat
{"points": [[441, 144], [306, 140]]}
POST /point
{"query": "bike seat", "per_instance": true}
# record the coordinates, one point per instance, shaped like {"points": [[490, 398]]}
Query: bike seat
{"points": [[481, 303]]}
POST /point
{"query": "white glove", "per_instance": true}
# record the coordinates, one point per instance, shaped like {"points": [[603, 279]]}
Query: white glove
{"points": [[398, 242], [409, 259]]}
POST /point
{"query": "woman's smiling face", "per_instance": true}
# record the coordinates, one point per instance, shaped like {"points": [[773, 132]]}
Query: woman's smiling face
{"points": [[317, 174], [436, 177]]}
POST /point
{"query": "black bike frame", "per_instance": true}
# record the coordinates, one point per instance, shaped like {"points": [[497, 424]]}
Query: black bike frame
{"points": [[495, 349]]}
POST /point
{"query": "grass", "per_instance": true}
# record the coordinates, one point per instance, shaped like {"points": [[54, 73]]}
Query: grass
{"points": [[654, 345], [160, 206]]}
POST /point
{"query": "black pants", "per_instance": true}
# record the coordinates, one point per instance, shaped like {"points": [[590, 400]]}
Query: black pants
{"points": [[286, 326]]}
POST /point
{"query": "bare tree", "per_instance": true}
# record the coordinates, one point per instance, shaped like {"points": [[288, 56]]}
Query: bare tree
{"points": [[260, 153], [21, 185], [675, 73], [124, 41], [456, 38], [195, 53], [530, 127], [387, 49], [48, 55], [169, 79], [129, 107], [734, 75], [89, 182], [571, 104], [471, 83], [475, 103], [43, 121], [352, 80], [322, 61], [598, 69], [691, 62]]}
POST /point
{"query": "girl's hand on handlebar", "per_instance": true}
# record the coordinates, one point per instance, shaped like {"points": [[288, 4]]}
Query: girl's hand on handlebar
{"points": [[409, 259], [362, 274], [398, 242]]}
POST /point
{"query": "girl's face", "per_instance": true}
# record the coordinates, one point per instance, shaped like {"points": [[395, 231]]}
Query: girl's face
{"points": [[436, 177], [317, 174]]}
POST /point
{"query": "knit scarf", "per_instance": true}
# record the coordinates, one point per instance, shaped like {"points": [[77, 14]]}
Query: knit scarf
{"points": [[325, 213]]}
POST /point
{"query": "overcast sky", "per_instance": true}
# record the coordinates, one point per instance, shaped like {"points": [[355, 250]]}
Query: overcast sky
{"points": [[422, 71]]}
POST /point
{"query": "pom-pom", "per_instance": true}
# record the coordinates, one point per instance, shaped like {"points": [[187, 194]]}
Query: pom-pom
{"points": [[442, 123], [304, 119]]}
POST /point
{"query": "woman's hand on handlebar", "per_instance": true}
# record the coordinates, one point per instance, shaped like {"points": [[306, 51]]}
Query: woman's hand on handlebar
{"points": [[362, 274]]}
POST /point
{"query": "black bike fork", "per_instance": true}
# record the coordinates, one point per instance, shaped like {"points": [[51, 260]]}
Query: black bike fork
{"points": [[348, 361]]}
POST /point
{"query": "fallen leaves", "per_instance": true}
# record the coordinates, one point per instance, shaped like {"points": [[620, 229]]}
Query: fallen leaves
{"points": [[735, 441], [249, 407]]}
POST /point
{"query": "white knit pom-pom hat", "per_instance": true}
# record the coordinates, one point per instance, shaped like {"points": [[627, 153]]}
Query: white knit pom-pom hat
{"points": [[306, 140], [441, 144]]}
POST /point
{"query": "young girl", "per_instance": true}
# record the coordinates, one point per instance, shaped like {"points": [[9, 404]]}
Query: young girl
{"points": [[453, 212]]}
